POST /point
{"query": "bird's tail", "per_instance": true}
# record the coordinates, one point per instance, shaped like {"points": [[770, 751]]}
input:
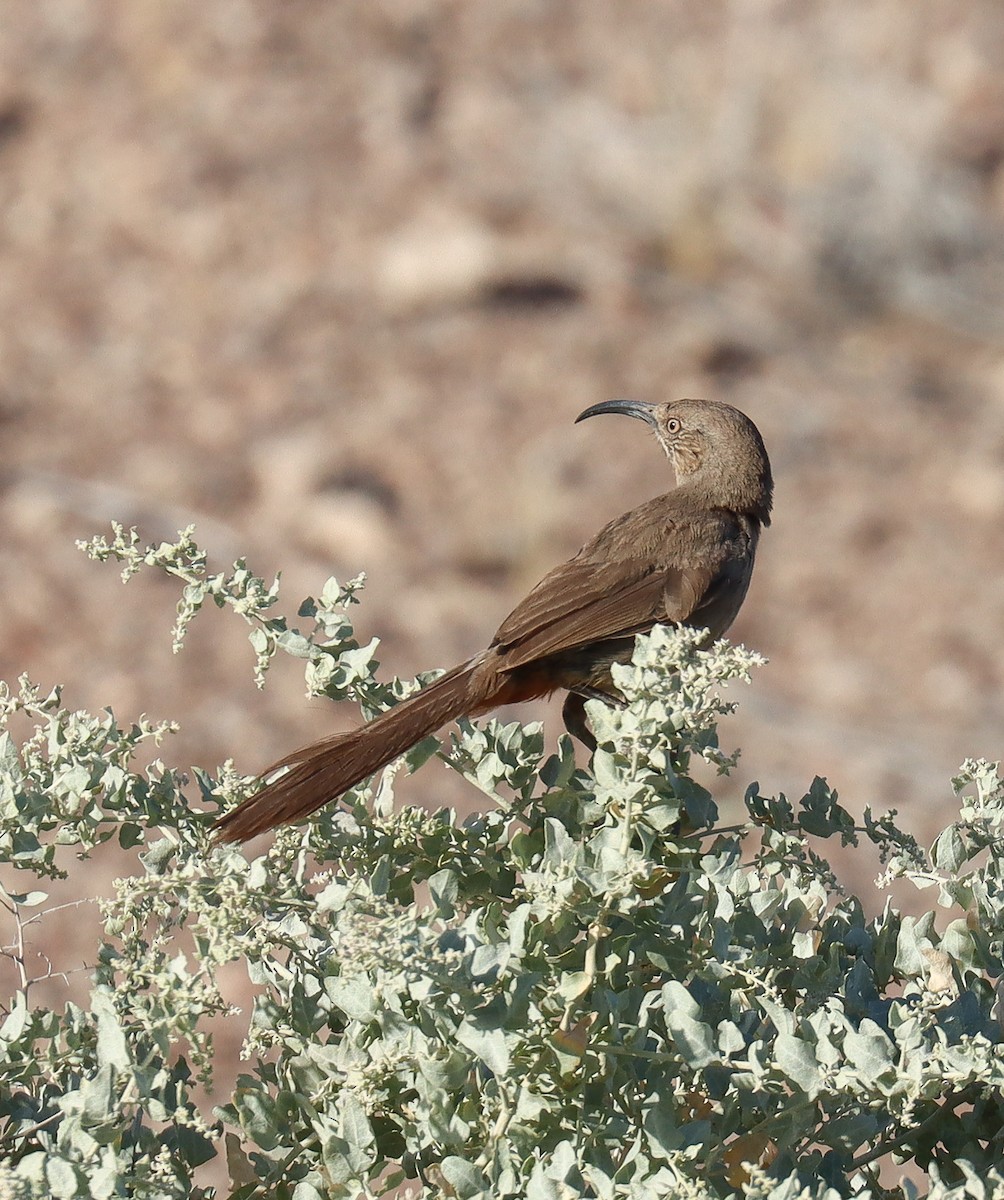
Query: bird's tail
{"points": [[325, 770]]}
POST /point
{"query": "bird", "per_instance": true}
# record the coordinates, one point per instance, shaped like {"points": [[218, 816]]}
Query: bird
{"points": [[681, 558]]}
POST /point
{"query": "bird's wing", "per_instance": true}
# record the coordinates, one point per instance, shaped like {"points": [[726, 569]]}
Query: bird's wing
{"points": [[585, 601]]}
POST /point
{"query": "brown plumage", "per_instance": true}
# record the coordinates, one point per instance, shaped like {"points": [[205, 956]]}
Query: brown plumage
{"points": [[682, 558]]}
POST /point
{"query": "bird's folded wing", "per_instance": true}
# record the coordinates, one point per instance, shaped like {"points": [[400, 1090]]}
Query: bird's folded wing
{"points": [[583, 601]]}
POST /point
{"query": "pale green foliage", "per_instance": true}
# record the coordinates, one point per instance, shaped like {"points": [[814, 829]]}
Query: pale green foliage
{"points": [[591, 988]]}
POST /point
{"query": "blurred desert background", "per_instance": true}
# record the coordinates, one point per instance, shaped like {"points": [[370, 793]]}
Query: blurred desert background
{"points": [[331, 279]]}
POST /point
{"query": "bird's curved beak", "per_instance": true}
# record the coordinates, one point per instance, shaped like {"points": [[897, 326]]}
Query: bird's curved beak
{"points": [[628, 408]]}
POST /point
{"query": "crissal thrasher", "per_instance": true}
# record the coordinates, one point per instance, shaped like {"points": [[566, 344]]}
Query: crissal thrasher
{"points": [[682, 558]]}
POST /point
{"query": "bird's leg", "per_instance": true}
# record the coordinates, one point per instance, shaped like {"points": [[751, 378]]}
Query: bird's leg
{"points": [[573, 712]]}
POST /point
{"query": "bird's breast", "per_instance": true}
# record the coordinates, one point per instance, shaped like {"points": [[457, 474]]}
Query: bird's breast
{"points": [[724, 596]]}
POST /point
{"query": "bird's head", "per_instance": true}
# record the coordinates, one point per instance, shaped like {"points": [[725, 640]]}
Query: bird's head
{"points": [[711, 445]]}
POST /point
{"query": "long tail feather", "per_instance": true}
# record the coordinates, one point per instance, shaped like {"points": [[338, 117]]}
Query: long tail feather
{"points": [[323, 771]]}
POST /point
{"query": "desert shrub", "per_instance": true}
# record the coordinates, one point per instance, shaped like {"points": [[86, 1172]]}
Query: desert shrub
{"points": [[592, 987]]}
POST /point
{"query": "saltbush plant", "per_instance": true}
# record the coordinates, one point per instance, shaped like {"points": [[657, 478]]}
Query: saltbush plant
{"points": [[590, 988]]}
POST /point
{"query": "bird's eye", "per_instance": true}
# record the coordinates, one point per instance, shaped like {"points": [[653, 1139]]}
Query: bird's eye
{"points": [[673, 425]]}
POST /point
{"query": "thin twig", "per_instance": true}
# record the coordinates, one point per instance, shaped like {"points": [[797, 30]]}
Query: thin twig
{"points": [[951, 1102]]}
